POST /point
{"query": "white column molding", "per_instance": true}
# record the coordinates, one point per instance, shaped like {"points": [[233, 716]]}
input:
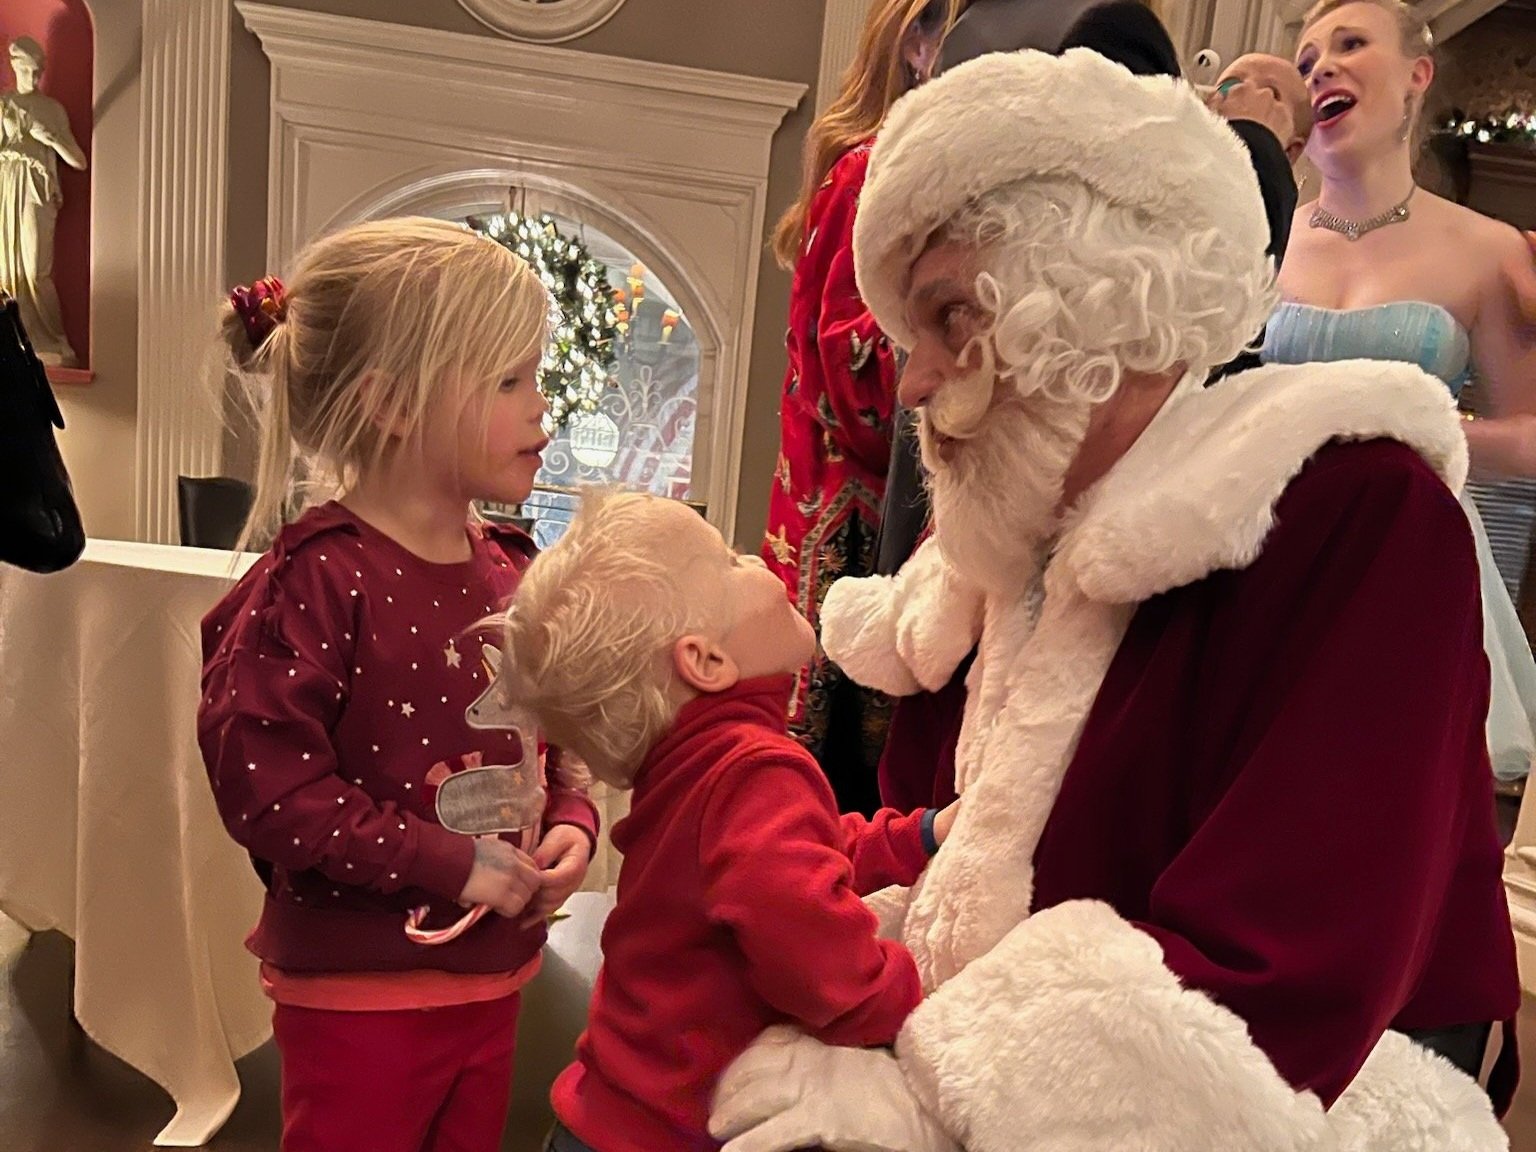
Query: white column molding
{"points": [[372, 119], [1189, 24], [181, 250], [1233, 27], [839, 40]]}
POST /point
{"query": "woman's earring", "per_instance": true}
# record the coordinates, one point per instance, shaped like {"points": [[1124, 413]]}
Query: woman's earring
{"points": [[1407, 119]]}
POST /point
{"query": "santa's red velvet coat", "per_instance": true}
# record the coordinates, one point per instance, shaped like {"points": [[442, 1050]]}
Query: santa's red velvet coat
{"points": [[1226, 812]]}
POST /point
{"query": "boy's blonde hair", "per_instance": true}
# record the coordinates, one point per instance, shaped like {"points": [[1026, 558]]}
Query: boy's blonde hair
{"points": [[380, 318], [590, 633]]}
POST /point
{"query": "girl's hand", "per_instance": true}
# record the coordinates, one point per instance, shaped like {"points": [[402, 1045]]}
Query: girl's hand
{"points": [[504, 878], [563, 856]]}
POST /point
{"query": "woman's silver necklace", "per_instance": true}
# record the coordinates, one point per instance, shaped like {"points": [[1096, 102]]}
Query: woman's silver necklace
{"points": [[1354, 229]]}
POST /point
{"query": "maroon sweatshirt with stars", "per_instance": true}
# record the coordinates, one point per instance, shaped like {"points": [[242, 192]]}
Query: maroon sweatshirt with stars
{"points": [[336, 678]]}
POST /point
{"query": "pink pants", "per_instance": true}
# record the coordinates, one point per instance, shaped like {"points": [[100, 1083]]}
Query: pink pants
{"points": [[424, 1080]]}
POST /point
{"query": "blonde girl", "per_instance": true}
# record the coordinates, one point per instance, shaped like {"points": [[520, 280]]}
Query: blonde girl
{"points": [[345, 684]]}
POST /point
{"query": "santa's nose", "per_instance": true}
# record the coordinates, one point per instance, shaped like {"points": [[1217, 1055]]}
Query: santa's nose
{"points": [[918, 383]]}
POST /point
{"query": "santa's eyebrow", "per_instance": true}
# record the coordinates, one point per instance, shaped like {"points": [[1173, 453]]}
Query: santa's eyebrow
{"points": [[934, 289], [924, 296]]}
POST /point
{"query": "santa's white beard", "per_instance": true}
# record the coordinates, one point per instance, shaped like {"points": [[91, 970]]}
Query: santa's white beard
{"points": [[996, 498]]}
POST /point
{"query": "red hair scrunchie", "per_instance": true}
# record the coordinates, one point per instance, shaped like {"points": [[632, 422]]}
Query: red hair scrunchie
{"points": [[261, 306]]}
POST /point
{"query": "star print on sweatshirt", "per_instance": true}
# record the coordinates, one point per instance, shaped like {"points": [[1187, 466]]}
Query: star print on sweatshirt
{"points": [[328, 698]]}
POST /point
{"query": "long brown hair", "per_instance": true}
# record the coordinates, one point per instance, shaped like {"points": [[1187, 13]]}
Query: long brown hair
{"points": [[874, 80]]}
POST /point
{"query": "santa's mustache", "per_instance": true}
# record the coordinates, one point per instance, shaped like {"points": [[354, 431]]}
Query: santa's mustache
{"points": [[959, 408]]}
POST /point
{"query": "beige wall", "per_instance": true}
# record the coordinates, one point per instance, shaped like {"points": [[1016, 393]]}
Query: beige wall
{"points": [[780, 41], [98, 440]]}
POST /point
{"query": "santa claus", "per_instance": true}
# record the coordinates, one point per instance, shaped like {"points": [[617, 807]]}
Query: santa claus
{"points": [[1224, 875]]}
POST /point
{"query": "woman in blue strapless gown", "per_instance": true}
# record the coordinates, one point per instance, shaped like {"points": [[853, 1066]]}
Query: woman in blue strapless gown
{"points": [[1379, 268], [1429, 336]]}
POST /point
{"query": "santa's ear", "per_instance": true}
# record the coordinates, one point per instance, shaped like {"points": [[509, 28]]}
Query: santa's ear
{"points": [[704, 665]]}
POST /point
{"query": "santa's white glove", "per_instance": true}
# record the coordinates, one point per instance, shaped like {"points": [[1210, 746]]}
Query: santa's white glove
{"points": [[790, 1091]]}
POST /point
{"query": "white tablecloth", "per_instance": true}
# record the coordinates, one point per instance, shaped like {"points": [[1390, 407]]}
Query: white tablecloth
{"points": [[108, 833]]}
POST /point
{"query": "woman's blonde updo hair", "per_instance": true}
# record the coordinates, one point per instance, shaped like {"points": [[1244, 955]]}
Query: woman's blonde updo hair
{"points": [[1417, 39], [380, 322]]}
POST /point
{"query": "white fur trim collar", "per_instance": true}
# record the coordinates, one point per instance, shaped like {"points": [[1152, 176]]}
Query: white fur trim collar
{"points": [[1196, 494]]}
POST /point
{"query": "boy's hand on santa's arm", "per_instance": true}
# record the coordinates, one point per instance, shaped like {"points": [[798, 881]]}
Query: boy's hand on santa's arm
{"points": [[504, 878], [944, 821], [562, 858]]}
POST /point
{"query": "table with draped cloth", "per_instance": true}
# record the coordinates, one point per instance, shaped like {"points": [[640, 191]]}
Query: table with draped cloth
{"points": [[110, 834]]}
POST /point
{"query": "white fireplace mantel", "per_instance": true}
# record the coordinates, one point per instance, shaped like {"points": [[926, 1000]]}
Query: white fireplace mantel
{"points": [[372, 119]]}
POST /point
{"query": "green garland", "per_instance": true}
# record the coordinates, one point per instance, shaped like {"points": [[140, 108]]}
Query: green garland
{"points": [[1512, 127], [580, 355]]}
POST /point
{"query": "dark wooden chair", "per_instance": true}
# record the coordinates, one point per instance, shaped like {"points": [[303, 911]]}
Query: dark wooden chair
{"points": [[212, 510]]}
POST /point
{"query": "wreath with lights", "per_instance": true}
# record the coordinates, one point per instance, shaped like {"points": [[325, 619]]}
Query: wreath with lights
{"points": [[582, 328], [1511, 127]]}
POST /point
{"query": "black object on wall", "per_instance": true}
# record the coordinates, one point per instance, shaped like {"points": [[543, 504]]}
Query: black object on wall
{"points": [[40, 527]]}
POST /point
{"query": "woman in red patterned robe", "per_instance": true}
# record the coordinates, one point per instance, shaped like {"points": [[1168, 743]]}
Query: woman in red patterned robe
{"points": [[835, 415]]}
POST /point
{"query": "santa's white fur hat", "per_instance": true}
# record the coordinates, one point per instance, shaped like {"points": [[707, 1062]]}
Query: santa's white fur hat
{"points": [[1144, 141]]}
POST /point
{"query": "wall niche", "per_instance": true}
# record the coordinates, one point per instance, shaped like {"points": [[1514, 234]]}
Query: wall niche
{"points": [[45, 176]]}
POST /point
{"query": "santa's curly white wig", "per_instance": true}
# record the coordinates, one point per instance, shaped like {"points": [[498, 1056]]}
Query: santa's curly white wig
{"points": [[1118, 222], [1077, 289]]}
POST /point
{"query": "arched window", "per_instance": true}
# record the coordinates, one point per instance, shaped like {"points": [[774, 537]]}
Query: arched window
{"points": [[642, 435]]}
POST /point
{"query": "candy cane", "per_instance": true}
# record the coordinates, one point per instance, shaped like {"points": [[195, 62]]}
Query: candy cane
{"points": [[419, 935]]}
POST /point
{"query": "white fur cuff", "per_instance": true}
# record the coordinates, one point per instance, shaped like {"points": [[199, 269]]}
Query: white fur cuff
{"points": [[890, 908], [1409, 1100], [1072, 1035]]}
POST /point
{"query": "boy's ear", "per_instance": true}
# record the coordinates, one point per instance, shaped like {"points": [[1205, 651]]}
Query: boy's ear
{"points": [[1294, 149], [703, 665]]}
